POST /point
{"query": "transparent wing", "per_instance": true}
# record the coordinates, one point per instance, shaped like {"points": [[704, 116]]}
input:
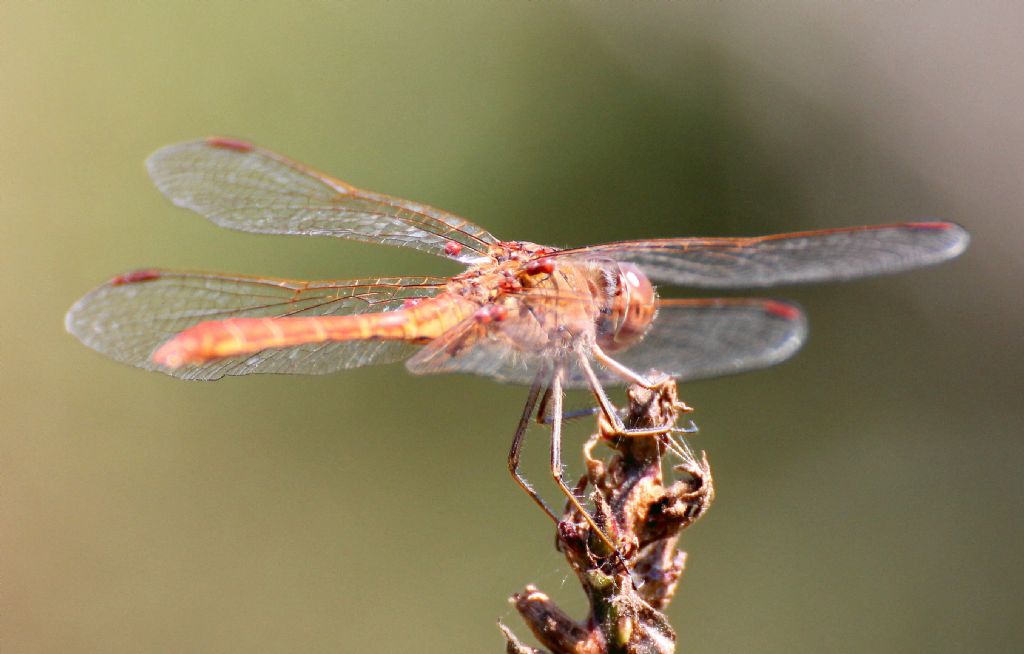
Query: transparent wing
{"points": [[689, 339], [481, 350], [539, 326], [238, 185], [700, 338], [130, 316], [800, 257]]}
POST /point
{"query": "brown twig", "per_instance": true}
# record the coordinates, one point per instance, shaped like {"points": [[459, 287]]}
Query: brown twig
{"points": [[644, 518]]}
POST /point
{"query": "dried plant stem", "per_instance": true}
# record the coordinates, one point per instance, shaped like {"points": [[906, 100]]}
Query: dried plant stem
{"points": [[644, 518]]}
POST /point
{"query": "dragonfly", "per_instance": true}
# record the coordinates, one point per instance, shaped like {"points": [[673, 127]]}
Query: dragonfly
{"points": [[554, 319]]}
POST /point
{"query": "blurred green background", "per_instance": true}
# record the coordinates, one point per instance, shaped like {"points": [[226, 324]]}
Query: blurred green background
{"points": [[870, 490]]}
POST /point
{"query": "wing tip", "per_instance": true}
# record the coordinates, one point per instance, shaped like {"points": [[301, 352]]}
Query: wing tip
{"points": [[77, 323], [791, 313], [135, 277], [955, 236], [783, 309], [155, 161], [71, 319], [228, 143]]}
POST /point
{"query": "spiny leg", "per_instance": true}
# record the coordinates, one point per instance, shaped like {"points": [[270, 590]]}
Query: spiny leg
{"points": [[553, 393], [545, 418], [607, 408], [556, 464], [542, 410], [570, 415], [520, 437], [622, 371]]}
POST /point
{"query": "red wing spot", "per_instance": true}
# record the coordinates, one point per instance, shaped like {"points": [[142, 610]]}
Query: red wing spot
{"points": [[932, 225], [230, 144], [782, 310], [135, 276], [452, 248]]}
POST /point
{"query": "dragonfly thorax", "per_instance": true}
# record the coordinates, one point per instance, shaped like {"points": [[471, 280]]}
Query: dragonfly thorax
{"points": [[629, 309]]}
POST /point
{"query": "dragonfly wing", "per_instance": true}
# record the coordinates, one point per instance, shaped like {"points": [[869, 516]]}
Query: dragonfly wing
{"points": [[241, 186], [688, 339], [474, 348], [538, 327], [130, 316], [700, 338], [800, 257]]}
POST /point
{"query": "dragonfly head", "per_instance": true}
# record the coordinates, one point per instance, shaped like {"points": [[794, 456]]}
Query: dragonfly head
{"points": [[630, 308]]}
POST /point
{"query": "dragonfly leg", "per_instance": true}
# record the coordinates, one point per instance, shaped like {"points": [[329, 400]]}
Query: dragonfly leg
{"points": [[611, 413], [628, 374], [544, 418], [578, 413], [520, 437], [556, 465], [542, 410]]}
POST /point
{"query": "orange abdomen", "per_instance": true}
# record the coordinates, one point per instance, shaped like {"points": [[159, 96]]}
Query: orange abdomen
{"points": [[217, 339]]}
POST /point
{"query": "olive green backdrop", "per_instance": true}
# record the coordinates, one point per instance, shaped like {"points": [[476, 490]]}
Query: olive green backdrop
{"points": [[870, 490]]}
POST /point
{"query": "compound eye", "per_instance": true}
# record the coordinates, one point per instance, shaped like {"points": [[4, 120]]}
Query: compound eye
{"points": [[632, 279], [633, 309]]}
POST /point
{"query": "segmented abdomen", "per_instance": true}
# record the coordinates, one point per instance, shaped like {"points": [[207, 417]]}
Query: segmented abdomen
{"points": [[237, 336]]}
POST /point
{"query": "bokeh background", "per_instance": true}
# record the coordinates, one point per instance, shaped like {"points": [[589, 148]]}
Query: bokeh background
{"points": [[870, 490]]}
